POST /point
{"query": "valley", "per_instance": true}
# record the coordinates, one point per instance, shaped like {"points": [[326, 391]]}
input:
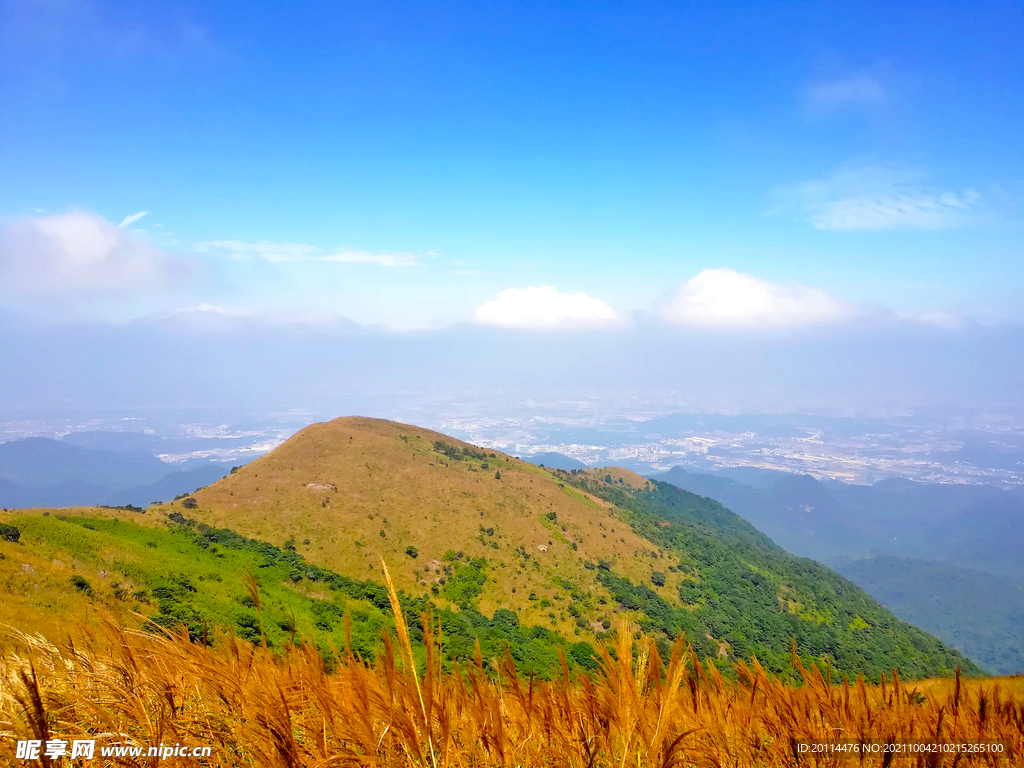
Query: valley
{"points": [[947, 558]]}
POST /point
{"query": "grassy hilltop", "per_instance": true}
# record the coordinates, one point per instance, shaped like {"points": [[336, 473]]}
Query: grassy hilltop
{"points": [[352, 491], [506, 552]]}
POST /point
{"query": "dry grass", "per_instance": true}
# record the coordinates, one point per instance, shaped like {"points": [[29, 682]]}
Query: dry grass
{"points": [[258, 709], [1012, 685]]}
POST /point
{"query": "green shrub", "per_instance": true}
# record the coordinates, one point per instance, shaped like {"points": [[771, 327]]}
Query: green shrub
{"points": [[9, 533], [81, 585]]}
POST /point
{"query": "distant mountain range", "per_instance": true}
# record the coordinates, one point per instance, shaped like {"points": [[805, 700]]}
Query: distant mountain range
{"points": [[155, 445], [40, 472], [948, 558], [974, 526], [555, 461]]}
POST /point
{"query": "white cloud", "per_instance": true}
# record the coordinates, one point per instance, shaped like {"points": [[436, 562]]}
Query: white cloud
{"points": [[544, 308], [857, 91], [81, 252], [132, 219], [879, 199], [725, 298], [286, 252], [214, 315]]}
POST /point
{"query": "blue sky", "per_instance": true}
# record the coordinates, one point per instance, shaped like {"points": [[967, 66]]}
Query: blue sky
{"points": [[523, 165]]}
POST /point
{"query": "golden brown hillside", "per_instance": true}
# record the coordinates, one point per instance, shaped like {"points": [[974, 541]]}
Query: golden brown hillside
{"points": [[351, 491]]}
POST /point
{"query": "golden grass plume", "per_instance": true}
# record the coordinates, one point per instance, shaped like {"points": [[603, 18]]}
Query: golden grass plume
{"points": [[258, 708]]}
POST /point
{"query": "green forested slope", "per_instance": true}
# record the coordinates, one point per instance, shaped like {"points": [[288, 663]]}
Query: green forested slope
{"points": [[56, 570], [743, 595], [978, 613]]}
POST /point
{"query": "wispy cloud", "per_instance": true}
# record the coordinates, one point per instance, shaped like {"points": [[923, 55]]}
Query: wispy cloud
{"points": [[944, 320], [725, 298], [213, 310], [82, 253], [365, 257], [544, 308], [264, 249], [131, 219], [57, 37], [906, 211], [856, 91], [285, 252], [876, 199]]}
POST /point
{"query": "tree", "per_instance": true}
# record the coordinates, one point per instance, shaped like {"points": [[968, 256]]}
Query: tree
{"points": [[506, 620], [497, 475], [658, 579], [412, 552]]}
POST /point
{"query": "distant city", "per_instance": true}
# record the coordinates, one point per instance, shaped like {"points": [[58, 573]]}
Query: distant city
{"points": [[650, 437]]}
